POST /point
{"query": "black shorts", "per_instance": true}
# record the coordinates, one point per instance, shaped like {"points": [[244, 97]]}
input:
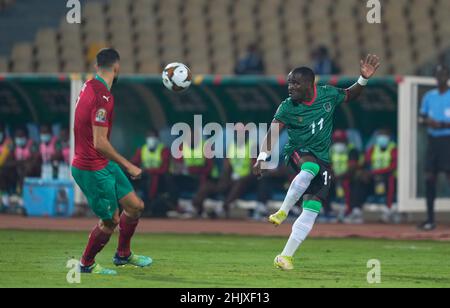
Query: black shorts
{"points": [[321, 185], [438, 154]]}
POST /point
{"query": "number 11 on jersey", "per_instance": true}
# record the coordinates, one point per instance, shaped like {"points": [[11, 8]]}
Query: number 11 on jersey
{"points": [[313, 126]]}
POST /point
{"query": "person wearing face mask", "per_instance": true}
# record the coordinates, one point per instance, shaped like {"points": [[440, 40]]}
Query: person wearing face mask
{"points": [[345, 162], [47, 146], [379, 178], [154, 159]]}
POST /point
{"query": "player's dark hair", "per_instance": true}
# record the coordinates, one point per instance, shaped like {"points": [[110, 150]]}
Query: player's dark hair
{"points": [[107, 57], [305, 72]]}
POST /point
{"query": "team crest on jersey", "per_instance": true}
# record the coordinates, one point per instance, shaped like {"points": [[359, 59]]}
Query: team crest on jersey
{"points": [[300, 119], [100, 116], [328, 107]]}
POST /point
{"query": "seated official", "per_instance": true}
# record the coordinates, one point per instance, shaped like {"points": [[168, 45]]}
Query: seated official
{"points": [[379, 177], [154, 159]]}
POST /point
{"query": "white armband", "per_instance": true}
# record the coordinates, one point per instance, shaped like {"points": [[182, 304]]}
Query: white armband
{"points": [[363, 81], [263, 156]]}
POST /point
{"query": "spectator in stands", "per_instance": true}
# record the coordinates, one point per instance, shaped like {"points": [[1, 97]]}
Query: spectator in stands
{"points": [[435, 114], [345, 160], [154, 159], [237, 177], [323, 64], [251, 64], [193, 170], [379, 178]]}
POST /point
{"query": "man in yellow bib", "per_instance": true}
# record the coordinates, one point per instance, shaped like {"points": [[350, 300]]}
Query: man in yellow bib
{"points": [[154, 159]]}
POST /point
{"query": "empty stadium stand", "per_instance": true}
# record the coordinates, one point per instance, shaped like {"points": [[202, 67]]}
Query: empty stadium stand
{"points": [[211, 35]]}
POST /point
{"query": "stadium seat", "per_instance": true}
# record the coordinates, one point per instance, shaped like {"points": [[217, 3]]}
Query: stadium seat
{"points": [[93, 11], [127, 65], [148, 67], [22, 51], [297, 57], [74, 66], [4, 65], [46, 36], [201, 68], [117, 7], [71, 41], [71, 52], [95, 32], [49, 66], [22, 67], [144, 29], [122, 28], [441, 18], [49, 54]]}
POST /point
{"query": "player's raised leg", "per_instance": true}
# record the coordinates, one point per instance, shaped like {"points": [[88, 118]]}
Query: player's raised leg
{"points": [[308, 171], [133, 207], [300, 231]]}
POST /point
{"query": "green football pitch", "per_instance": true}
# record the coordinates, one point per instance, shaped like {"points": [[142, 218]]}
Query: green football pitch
{"points": [[38, 259]]}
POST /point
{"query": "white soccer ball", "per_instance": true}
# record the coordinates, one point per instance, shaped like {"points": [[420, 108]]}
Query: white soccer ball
{"points": [[177, 77]]}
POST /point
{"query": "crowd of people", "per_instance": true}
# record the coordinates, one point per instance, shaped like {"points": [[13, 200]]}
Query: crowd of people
{"points": [[360, 177], [30, 151]]}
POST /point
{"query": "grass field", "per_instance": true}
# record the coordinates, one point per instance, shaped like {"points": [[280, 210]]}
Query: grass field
{"points": [[38, 259]]}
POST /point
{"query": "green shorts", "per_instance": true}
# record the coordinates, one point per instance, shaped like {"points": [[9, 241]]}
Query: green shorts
{"points": [[103, 189]]}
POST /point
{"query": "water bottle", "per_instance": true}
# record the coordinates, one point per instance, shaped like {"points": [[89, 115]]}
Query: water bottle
{"points": [[47, 171], [63, 171]]}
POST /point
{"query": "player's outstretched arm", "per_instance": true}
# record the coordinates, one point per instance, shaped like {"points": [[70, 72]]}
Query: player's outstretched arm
{"points": [[266, 148], [102, 144], [368, 68]]}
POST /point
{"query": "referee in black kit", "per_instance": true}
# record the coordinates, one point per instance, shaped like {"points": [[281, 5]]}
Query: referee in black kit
{"points": [[435, 114]]}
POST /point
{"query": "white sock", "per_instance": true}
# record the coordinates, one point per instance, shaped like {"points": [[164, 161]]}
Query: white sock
{"points": [[300, 230], [298, 187]]}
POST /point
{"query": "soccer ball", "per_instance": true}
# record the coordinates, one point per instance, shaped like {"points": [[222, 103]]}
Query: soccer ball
{"points": [[177, 77]]}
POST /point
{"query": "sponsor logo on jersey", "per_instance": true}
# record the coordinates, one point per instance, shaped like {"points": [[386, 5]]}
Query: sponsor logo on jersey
{"points": [[100, 115], [328, 107]]}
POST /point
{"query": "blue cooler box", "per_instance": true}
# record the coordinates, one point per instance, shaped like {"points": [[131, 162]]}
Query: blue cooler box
{"points": [[54, 198]]}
